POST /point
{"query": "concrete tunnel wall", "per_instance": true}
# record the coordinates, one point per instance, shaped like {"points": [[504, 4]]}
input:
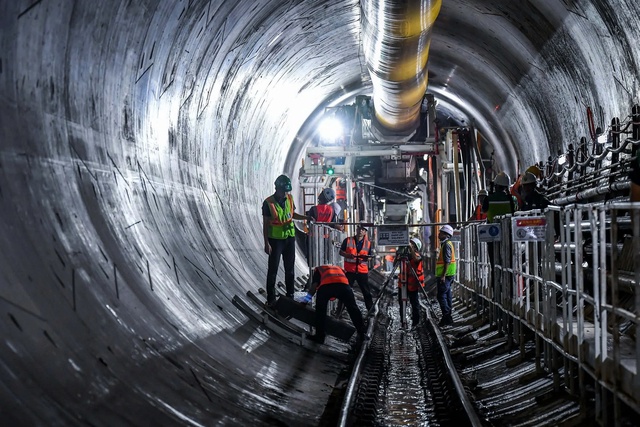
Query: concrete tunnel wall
{"points": [[138, 140]]}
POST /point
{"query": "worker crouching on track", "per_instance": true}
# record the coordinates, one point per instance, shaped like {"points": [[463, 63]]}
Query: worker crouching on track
{"points": [[415, 280], [330, 281]]}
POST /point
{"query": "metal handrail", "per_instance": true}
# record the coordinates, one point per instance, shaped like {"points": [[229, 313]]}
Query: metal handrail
{"points": [[552, 292]]}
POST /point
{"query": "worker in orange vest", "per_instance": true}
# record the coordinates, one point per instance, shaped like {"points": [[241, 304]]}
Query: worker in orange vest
{"points": [[356, 251], [390, 258], [330, 281], [415, 280], [478, 215], [341, 194], [341, 197]]}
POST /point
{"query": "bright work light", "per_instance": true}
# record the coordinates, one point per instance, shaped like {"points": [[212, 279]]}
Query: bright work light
{"points": [[330, 129]]}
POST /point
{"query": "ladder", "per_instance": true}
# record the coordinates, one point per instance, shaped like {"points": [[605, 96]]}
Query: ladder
{"points": [[310, 186]]}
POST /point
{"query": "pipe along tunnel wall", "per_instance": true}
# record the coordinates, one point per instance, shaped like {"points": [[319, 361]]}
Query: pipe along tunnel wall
{"points": [[138, 140]]}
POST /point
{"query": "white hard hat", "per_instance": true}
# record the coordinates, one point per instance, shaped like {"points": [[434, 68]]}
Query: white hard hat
{"points": [[528, 178], [447, 229], [502, 179], [483, 192], [417, 242]]}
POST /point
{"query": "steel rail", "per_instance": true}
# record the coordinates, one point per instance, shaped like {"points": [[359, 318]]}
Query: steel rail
{"points": [[457, 382], [355, 373]]}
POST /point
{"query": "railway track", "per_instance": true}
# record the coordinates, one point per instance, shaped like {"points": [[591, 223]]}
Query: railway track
{"points": [[404, 377]]}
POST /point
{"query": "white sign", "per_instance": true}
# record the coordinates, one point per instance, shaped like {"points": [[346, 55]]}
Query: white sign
{"points": [[529, 228], [393, 235], [489, 233]]}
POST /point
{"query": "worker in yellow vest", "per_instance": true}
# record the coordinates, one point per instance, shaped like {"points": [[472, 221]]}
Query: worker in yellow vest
{"points": [[445, 271], [278, 213]]}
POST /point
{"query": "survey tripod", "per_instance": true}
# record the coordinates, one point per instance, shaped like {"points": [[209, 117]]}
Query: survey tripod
{"points": [[403, 264]]}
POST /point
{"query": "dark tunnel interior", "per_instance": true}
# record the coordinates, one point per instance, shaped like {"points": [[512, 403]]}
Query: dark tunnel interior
{"points": [[139, 138]]}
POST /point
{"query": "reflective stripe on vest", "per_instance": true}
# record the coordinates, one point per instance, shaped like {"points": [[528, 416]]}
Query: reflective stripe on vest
{"points": [[281, 221], [330, 274], [359, 265], [451, 268]]}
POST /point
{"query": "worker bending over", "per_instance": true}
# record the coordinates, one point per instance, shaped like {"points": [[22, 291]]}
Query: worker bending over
{"points": [[330, 281]]}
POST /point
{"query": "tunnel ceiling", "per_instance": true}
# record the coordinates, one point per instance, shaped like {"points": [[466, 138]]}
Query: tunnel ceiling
{"points": [[139, 139]]}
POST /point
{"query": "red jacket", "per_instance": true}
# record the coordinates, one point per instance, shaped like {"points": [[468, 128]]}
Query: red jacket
{"points": [[324, 212]]}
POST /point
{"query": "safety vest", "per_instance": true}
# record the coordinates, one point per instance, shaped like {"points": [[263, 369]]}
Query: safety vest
{"points": [[341, 192], [357, 265], [324, 212], [499, 204], [479, 215], [390, 257], [281, 221], [413, 283], [451, 269], [330, 274]]}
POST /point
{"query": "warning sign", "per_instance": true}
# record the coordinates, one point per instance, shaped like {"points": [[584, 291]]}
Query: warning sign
{"points": [[393, 235], [489, 233], [529, 229]]}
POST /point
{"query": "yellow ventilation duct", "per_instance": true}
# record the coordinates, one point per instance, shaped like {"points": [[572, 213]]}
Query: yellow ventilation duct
{"points": [[396, 39]]}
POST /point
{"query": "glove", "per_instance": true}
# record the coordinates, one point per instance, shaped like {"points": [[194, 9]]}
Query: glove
{"points": [[307, 298]]}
